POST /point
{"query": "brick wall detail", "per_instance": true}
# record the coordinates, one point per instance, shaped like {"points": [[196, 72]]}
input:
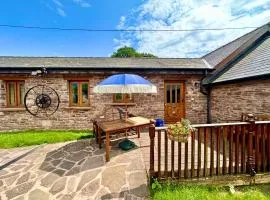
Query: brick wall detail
{"points": [[231, 100], [148, 105]]}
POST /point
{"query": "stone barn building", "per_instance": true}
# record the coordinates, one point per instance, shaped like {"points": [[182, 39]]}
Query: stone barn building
{"points": [[240, 83], [219, 87]]}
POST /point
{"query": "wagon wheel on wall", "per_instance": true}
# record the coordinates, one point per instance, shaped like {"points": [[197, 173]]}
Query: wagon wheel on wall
{"points": [[41, 101]]}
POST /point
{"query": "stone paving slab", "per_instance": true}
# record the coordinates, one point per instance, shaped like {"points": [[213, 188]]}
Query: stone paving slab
{"points": [[75, 171], [7, 155]]}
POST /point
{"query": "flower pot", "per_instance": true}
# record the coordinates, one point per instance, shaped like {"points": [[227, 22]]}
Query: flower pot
{"points": [[178, 138]]}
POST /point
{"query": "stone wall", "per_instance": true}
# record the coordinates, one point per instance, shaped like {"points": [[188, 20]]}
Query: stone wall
{"points": [[2, 94], [148, 105], [229, 101], [196, 102]]}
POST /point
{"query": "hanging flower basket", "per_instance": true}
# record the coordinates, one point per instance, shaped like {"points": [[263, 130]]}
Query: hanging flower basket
{"points": [[181, 131], [178, 138]]}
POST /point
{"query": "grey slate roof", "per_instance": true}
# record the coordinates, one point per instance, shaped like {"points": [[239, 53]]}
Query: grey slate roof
{"points": [[215, 57], [91, 63], [255, 63]]}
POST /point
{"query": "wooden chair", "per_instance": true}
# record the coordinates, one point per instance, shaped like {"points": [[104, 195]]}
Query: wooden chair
{"points": [[258, 117], [123, 113]]}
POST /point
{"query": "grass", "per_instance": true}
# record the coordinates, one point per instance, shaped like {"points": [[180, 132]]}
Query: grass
{"points": [[197, 192], [31, 137]]}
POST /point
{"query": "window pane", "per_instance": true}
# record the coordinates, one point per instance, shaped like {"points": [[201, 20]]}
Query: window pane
{"points": [[74, 93], [178, 94], [21, 93], [12, 94], [173, 94], [128, 98], [84, 93], [118, 97], [168, 93]]}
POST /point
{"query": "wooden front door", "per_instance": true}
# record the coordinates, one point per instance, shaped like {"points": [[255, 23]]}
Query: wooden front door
{"points": [[174, 101]]}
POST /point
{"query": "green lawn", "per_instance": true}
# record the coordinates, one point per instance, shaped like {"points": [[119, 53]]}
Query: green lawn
{"points": [[197, 192], [28, 138]]}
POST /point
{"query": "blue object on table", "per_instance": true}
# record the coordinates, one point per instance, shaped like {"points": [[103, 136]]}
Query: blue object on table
{"points": [[159, 122]]}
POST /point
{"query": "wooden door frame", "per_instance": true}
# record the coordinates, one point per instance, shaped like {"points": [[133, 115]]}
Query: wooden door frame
{"points": [[183, 83]]}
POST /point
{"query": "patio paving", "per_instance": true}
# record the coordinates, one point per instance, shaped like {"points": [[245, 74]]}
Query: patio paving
{"points": [[74, 170], [9, 155]]}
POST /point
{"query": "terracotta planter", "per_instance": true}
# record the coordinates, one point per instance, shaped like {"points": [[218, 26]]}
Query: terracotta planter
{"points": [[178, 138]]}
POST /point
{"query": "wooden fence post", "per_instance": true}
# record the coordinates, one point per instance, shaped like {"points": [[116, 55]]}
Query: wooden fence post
{"points": [[250, 159], [152, 146]]}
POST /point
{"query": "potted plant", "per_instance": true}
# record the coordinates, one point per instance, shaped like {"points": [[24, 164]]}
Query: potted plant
{"points": [[180, 131]]}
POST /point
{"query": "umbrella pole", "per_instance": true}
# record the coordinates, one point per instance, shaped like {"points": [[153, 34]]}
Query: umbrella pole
{"points": [[126, 120], [126, 113]]}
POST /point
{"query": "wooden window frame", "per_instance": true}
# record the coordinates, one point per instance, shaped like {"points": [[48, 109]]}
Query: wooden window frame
{"points": [[125, 99], [80, 104], [18, 102]]}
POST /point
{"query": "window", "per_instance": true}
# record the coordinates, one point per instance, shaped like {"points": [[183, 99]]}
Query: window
{"points": [[15, 93], [123, 98], [173, 93], [79, 93]]}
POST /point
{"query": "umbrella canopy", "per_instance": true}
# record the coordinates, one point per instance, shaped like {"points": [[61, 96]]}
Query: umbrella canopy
{"points": [[125, 83]]}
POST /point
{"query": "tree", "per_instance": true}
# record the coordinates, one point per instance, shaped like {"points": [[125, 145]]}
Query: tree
{"points": [[129, 52]]}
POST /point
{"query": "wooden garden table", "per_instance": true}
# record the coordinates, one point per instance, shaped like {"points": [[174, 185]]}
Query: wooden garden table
{"points": [[115, 126]]}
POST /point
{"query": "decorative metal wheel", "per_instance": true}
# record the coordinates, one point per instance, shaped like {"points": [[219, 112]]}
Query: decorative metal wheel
{"points": [[41, 101]]}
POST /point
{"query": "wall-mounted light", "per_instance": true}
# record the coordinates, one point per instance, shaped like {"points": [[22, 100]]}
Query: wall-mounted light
{"points": [[34, 73], [197, 85], [39, 72]]}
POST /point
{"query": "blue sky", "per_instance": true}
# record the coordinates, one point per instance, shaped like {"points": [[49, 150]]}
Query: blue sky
{"points": [[99, 14], [108, 14]]}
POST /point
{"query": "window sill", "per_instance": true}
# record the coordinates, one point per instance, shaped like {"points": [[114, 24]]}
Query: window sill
{"points": [[78, 108], [121, 104], [12, 109]]}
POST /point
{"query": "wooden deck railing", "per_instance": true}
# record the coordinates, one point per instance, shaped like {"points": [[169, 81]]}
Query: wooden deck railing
{"points": [[212, 150]]}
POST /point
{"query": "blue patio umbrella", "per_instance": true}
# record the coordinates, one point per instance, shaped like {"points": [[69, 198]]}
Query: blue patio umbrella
{"points": [[125, 84]]}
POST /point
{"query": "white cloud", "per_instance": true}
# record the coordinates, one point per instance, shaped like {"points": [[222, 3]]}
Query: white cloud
{"points": [[121, 22], [189, 14], [253, 4], [82, 3], [58, 3], [61, 12], [59, 7]]}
